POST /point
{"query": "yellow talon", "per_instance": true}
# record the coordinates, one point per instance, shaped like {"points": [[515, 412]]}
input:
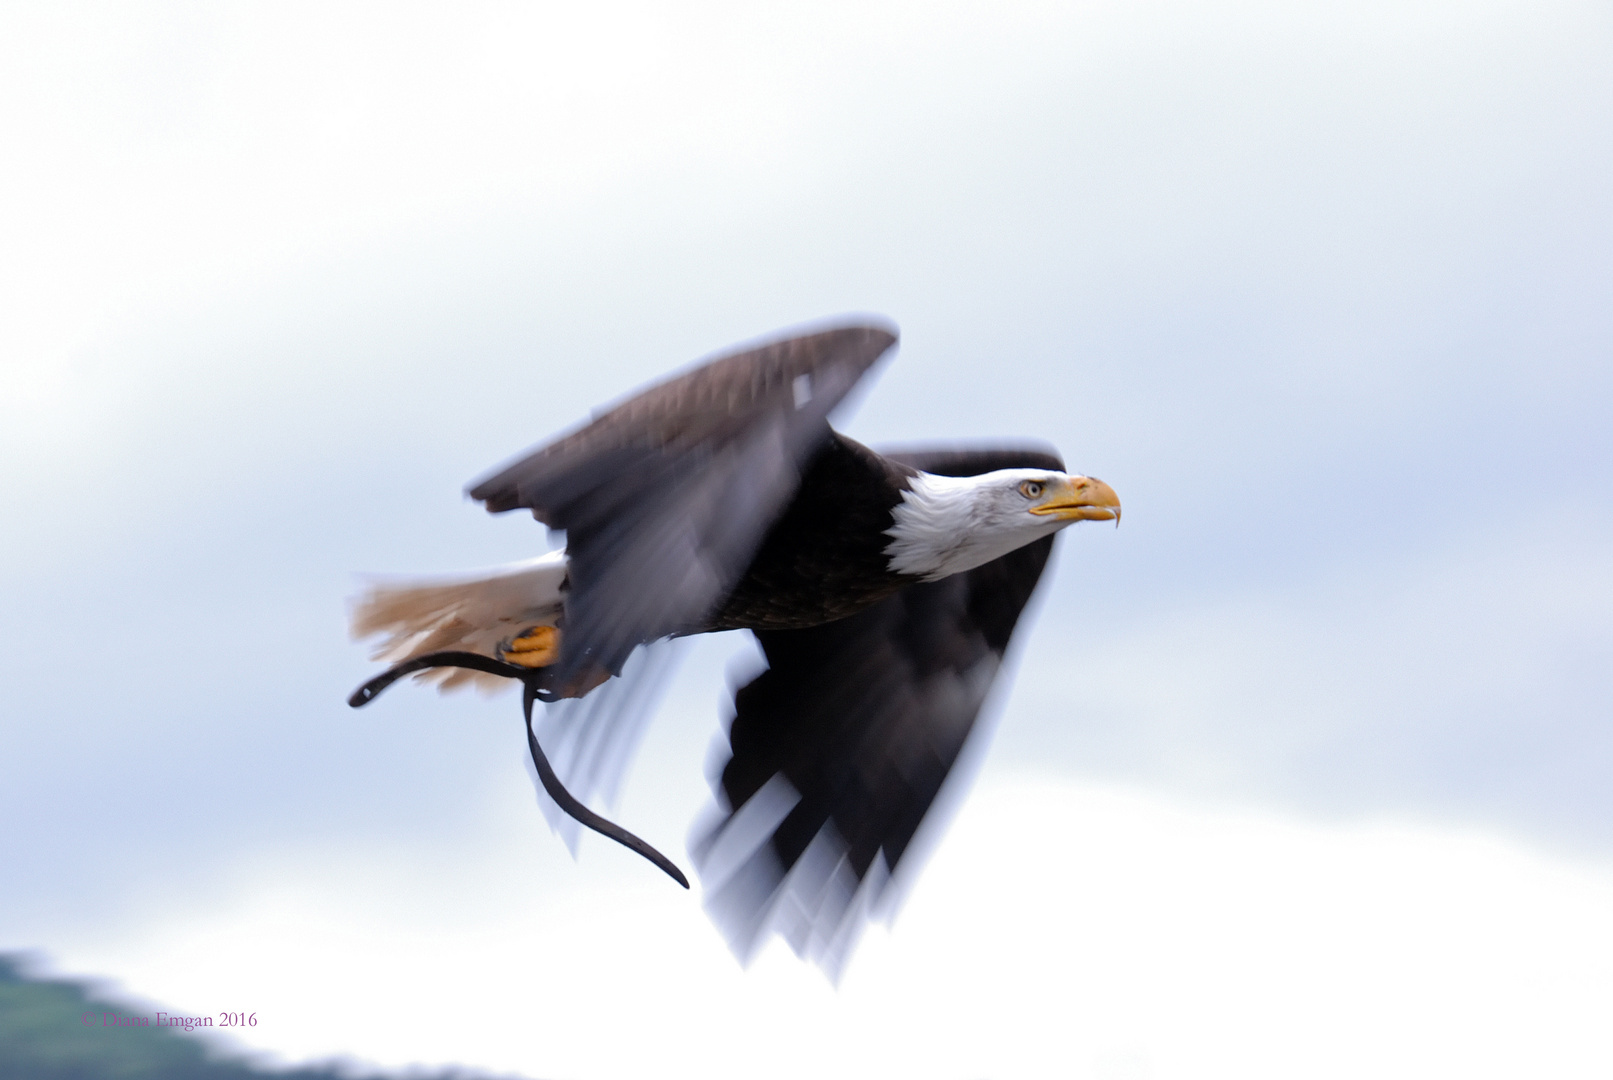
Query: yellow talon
{"points": [[534, 648]]}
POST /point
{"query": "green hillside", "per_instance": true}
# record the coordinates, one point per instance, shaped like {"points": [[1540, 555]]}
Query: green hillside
{"points": [[60, 1030]]}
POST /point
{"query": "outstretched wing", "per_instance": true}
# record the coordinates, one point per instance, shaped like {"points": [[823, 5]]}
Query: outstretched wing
{"points": [[665, 498], [841, 746]]}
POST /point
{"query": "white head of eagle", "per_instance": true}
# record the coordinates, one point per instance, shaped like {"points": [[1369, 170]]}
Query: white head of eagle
{"points": [[945, 525]]}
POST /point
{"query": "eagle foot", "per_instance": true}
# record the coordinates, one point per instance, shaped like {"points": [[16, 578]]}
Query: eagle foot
{"points": [[535, 647]]}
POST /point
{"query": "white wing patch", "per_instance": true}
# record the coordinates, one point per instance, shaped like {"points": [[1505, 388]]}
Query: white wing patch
{"points": [[473, 612]]}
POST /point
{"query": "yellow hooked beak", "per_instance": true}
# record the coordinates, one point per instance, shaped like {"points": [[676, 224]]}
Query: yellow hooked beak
{"points": [[1079, 498]]}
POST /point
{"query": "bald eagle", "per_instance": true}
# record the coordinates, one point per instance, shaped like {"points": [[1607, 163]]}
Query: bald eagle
{"points": [[882, 588]]}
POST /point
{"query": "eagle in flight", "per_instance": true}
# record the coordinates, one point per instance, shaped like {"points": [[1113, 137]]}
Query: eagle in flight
{"points": [[882, 588]]}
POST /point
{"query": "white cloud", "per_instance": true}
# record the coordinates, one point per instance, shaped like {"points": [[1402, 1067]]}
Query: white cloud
{"points": [[1077, 931], [1466, 677]]}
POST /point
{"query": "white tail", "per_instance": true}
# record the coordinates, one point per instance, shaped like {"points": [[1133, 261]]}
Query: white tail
{"points": [[474, 612]]}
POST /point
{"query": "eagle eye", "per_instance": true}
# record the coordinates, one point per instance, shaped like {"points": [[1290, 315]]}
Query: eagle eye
{"points": [[1031, 489]]}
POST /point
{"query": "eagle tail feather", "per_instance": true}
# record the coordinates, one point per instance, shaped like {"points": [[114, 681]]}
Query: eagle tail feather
{"points": [[476, 612]]}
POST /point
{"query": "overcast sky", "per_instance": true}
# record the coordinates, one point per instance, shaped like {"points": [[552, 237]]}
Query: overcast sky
{"points": [[1305, 769]]}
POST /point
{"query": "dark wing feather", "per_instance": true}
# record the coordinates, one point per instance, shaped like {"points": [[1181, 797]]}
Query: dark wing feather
{"points": [[841, 746], [665, 498]]}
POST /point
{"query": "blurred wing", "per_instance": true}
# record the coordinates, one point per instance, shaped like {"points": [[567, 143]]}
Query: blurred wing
{"points": [[841, 746], [665, 498]]}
